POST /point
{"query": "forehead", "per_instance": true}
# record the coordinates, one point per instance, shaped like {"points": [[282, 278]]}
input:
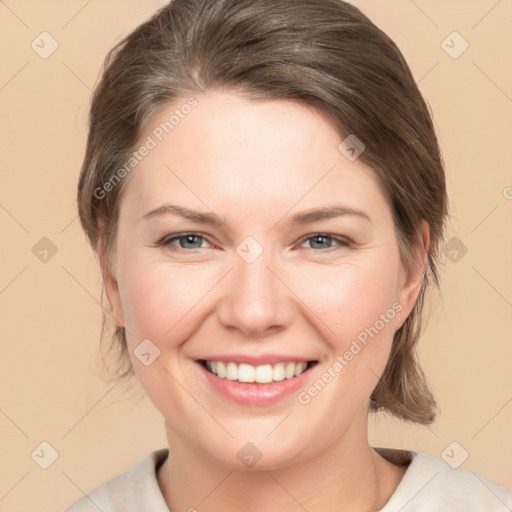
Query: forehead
{"points": [[229, 153]]}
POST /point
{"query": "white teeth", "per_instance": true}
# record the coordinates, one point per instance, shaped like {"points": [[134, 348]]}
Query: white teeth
{"points": [[221, 370], [299, 368], [261, 374], [232, 371], [290, 370], [278, 372], [246, 373]]}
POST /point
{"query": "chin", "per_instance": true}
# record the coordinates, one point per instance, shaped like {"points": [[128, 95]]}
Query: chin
{"points": [[259, 455]]}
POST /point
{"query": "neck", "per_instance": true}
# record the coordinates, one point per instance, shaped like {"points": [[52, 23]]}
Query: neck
{"points": [[347, 475]]}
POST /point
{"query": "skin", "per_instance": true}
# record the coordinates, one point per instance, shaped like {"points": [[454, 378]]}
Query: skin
{"points": [[255, 164]]}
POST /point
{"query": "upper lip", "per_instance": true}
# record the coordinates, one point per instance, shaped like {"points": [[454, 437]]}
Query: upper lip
{"points": [[256, 360]]}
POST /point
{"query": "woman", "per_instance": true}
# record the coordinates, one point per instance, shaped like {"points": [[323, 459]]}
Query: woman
{"points": [[264, 189]]}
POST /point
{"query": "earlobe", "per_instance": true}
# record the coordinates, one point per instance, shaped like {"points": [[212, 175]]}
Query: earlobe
{"points": [[410, 289], [111, 286]]}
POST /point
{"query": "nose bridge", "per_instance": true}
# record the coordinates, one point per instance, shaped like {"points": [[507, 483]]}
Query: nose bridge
{"points": [[255, 278], [256, 299]]}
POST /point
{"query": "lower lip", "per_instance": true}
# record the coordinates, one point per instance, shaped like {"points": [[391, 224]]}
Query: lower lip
{"points": [[255, 394]]}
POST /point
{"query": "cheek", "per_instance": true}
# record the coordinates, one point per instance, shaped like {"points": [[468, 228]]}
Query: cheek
{"points": [[158, 299], [349, 298], [357, 308], [161, 303]]}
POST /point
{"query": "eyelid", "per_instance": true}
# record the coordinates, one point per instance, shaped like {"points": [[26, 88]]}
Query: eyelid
{"points": [[338, 238], [166, 240]]}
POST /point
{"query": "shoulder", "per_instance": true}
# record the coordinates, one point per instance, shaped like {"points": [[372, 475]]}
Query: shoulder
{"points": [[133, 490], [431, 485]]}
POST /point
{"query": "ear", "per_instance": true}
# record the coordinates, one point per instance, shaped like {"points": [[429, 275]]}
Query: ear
{"points": [[409, 285], [111, 286]]}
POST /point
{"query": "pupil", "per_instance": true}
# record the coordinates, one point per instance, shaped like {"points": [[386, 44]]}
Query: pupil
{"points": [[321, 237], [189, 239]]}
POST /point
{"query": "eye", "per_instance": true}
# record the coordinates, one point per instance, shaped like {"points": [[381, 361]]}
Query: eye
{"points": [[325, 241], [191, 242], [185, 240]]}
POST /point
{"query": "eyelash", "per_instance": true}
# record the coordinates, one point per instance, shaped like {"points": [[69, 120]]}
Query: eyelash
{"points": [[166, 242]]}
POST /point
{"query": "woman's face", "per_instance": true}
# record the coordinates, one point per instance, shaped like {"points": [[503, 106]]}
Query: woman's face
{"points": [[265, 286]]}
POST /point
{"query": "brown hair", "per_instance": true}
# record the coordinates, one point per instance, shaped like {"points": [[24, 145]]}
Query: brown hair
{"points": [[324, 54]]}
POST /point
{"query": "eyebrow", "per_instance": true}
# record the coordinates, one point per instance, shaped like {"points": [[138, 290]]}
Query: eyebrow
{"points": [[299, 219]]}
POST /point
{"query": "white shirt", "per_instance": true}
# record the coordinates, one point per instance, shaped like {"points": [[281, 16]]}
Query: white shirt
{"points": [[428, 485]]}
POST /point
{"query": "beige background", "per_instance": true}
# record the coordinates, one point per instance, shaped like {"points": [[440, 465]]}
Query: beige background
{"points": [[51, 388]]}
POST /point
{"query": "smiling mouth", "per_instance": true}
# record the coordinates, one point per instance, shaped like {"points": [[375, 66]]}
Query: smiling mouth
{"points": [[262, 374]]}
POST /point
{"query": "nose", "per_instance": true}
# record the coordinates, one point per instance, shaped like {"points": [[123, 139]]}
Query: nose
{"points": [[255, 301]]}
